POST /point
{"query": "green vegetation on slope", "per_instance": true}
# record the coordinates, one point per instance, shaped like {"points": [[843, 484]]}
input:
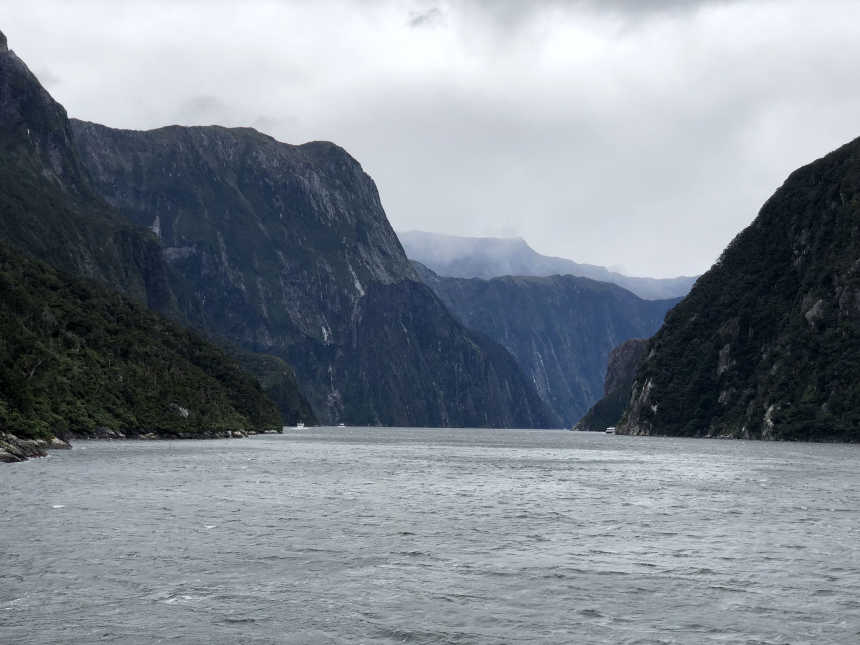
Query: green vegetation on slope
{"points": [[767, 344], [75, 358]]}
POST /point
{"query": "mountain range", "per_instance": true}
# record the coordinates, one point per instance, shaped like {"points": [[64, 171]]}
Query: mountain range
{"points": [[491, 257], [203, 281]]}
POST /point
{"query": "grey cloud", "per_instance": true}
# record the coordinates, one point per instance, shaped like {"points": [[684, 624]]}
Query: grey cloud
{"points": [[638, 6], [512, 12], [268, 124], [425, 18], [47, 78], [649, 146], [202, 109]]}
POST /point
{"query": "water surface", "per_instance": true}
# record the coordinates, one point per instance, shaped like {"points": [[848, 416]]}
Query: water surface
{"points": [[433, 536]]}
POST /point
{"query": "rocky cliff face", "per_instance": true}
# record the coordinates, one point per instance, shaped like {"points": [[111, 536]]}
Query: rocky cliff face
{"points": [[492, 257], [624, 360], [286, 250], [406, 359], [767, 344], [560, 329], [276, 242]]}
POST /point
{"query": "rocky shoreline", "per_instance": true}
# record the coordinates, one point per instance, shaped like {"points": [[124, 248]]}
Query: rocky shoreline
{"points": [[14, 449]]}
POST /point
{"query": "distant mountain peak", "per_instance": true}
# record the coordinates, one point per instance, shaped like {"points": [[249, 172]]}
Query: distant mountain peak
{"points": [[492, 257]]}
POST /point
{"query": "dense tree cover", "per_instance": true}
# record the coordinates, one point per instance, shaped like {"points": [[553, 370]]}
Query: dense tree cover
{"points": [[767, 344], [76, 357]]}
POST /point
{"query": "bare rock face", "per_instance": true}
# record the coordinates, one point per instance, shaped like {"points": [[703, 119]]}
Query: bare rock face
{"points": [[13, 449], [276, 242], [767, 343]]}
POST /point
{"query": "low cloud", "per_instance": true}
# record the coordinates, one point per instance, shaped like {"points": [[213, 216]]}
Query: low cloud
{"points": [[426, 18]]}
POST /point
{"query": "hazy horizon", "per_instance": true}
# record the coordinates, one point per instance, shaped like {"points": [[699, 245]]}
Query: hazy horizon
{"points": [[613, 268]]}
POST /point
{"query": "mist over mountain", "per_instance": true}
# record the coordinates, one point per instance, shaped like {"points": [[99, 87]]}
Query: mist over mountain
{"points": [[560, 329], [491, 257], [767, 344]]}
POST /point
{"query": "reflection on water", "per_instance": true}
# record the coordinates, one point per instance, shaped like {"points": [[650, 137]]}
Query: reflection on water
{"points": [[433, 536]]}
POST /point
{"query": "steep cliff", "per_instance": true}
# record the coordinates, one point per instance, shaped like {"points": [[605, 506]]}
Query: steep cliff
{"points": [[560, 329], [492, 257], [624, 360], [275, 241], [406, 358], [767, 344], [286, 249]]}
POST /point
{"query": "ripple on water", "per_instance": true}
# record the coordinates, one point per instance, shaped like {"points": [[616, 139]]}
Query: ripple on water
{"points": [[419, 536]]}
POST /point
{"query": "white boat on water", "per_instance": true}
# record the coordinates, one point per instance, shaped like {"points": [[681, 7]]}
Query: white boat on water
{"points": [[300, 425], [341, 425], [610, 430]]}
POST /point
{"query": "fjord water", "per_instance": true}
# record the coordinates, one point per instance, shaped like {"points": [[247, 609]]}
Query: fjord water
{"points": [[433, 536]]}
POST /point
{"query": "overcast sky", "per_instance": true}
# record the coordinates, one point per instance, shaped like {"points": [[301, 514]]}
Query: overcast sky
{"points": [[641, 134]]}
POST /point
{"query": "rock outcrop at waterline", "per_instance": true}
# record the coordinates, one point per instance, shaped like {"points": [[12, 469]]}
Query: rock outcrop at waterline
{"points": [[767, 344], [14, 449]]}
